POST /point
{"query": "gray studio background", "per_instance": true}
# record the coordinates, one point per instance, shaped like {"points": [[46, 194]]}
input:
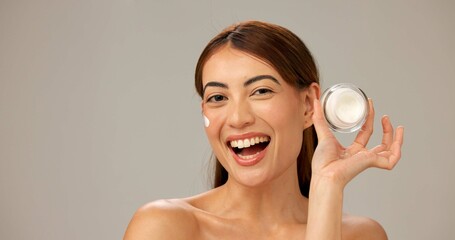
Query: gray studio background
{"points": [[98, 114]]}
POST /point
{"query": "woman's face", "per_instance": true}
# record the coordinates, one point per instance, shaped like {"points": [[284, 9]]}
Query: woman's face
{"points": [[255, 119]]}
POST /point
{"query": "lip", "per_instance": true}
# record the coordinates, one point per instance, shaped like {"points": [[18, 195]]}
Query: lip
{"points": [[248, 162], [245, 135], [251, 161]]}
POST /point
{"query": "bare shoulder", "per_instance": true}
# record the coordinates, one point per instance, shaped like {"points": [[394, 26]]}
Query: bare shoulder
{"points": [[356, 227], [160, 219]]}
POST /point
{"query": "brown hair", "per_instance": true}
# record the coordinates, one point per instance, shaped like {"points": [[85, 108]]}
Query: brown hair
{"points": [[283, 50]]}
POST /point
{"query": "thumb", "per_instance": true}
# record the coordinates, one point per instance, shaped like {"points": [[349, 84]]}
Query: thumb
{"points": [[320, 124]]}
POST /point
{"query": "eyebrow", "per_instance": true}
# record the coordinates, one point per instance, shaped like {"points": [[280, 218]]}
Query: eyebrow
{"points": [[214, 84], [247, 82], [260, 77]]}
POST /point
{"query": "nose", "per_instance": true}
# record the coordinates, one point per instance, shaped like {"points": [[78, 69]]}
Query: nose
{"points": [[240, 115]]}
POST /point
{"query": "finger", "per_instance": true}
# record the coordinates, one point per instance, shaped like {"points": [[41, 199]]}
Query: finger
{"points": [[366, 131], [399, 135], [387, 137], [360, 161], [320, 124], [379, 148], [395, 148], [388, 159], [387, 131]]}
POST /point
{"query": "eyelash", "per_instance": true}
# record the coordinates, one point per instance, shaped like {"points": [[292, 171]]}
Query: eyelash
{"points": [[260, 91], [212, 98], [257, 92]]}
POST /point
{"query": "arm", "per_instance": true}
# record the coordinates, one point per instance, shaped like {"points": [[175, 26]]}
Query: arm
{"points": [[325, 210], [334, 166]]}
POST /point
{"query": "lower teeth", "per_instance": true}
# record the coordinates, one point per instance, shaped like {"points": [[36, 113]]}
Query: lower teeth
{"points": [[249, 156]]}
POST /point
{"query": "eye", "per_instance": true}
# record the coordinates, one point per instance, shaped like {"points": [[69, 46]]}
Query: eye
{"points": [[216, 98], [262, 91]]}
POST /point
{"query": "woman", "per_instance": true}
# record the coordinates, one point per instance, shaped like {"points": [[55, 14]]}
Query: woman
{"points": [[259, 87]]}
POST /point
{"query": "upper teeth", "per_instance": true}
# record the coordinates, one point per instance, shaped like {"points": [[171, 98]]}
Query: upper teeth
{"points": [[244, 143]]}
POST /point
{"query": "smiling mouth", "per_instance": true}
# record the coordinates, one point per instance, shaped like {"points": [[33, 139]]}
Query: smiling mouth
{"points": [[249, 148]]}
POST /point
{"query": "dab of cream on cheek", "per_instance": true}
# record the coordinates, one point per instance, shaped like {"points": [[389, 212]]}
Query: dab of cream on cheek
{"points": [[206, 121]]}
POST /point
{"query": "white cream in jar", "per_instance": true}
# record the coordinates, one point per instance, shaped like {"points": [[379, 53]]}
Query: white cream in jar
{"points": [[345, 107]]}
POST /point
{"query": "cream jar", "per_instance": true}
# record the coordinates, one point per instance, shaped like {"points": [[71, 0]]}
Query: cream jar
{"points": [[345, 107]]}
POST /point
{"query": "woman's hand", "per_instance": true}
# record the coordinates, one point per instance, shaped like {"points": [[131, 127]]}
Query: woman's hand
{"points": [[333, 162]]}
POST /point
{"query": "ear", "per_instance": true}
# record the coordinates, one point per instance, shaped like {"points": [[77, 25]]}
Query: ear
{"points": [[308, 96]]}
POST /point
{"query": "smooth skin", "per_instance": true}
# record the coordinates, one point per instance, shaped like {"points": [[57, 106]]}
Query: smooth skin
{"points": [[264, 201]]}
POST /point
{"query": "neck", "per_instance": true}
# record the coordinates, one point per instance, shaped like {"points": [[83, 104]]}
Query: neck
{"points": [[277, 200]]}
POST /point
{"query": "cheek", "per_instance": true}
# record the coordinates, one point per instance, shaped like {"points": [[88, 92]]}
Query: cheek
{"points": [[279, 114], [212, 123]]}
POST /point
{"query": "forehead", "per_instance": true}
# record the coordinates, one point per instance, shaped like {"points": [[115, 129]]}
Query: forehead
{"points": [[227, 64]]}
